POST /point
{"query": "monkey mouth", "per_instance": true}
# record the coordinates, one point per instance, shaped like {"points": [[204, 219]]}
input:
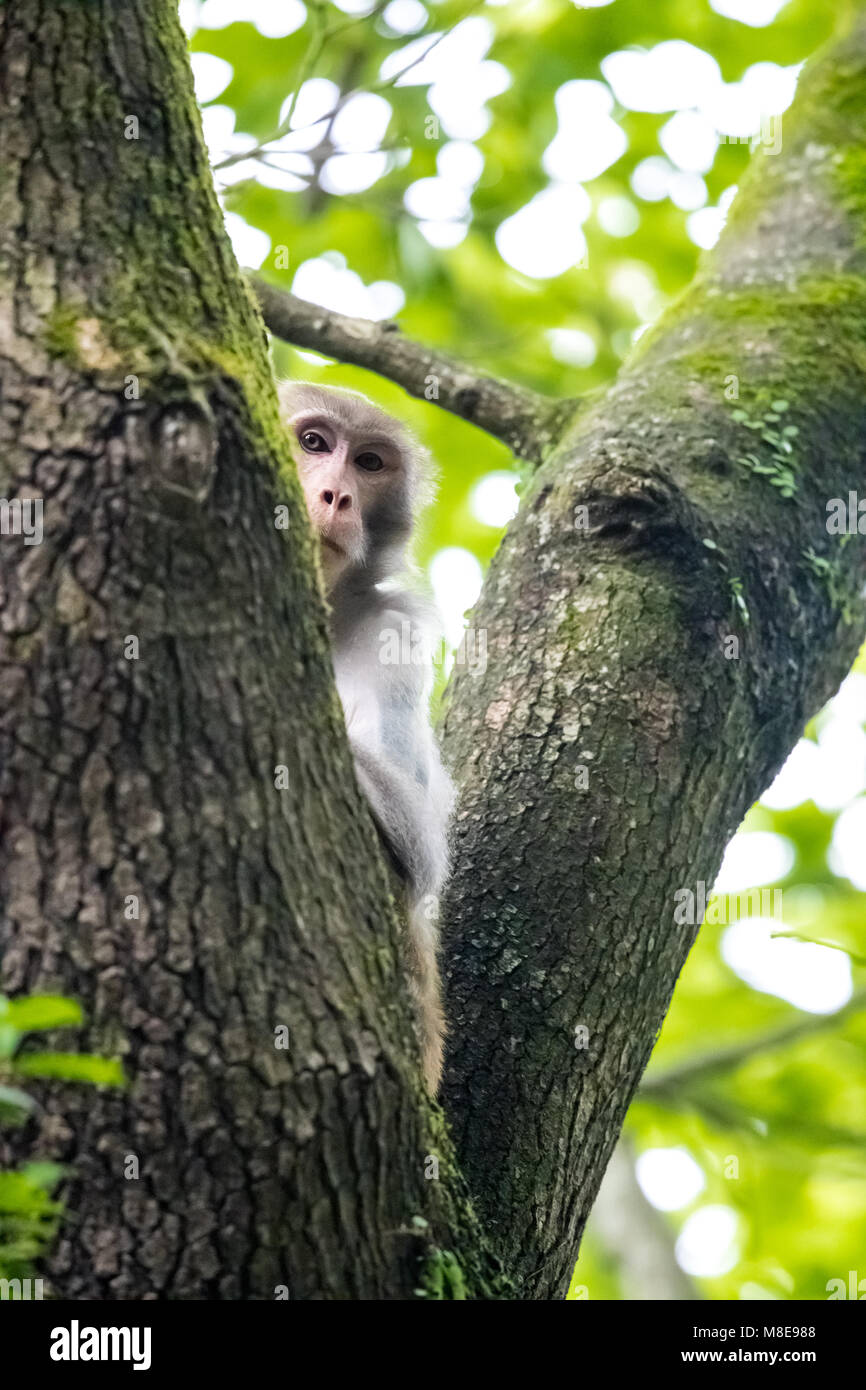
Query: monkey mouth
{"points": [[346, 550]]}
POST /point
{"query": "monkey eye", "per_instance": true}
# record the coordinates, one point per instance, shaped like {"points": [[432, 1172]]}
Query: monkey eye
{"points": [[313, 443], [371, 463]]}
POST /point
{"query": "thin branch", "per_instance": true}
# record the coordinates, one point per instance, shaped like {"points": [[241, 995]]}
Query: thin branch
{"points": [[316, 47], [854, 958], [524, 420], [715, 1063], [308, 62]]}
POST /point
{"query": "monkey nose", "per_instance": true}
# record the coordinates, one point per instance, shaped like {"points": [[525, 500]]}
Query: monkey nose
{"points": [[340, 501]]}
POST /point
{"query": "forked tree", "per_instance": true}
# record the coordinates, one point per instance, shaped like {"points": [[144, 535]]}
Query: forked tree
{"points": [[663, 615]]}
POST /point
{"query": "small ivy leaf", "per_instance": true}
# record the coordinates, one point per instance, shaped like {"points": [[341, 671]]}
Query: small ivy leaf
{"points": [[16, 1100], [38, 1012], [9, 1040], [44, 1174], [781, 406], [71, 1066], [711, 545]]}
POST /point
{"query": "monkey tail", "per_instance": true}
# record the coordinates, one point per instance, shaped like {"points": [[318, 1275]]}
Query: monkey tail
{"points": [[425, 985]]}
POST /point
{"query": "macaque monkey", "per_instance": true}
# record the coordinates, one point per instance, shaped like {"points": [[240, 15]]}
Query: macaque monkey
{"points": [[365, 479]]}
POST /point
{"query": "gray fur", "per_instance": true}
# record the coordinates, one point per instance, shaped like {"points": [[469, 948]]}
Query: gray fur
{"points": [[374, 618]]}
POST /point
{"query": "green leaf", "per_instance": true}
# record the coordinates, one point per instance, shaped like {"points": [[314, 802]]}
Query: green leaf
{"points": [[44, 1175], [15, 1100], [38, 1012], [71, 1066], [9, 1040], [21, 1197]]}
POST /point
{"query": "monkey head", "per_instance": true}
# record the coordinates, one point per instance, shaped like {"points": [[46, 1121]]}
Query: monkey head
{"points": [[364, 478]]}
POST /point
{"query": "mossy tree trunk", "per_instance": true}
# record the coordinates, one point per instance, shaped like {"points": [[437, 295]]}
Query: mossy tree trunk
{"points": [[164, 656], [163, 653], [662, 619]]}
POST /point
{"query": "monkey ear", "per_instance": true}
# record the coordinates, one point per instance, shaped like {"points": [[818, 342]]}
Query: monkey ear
{"points": [[292, 396], [426, 476]]}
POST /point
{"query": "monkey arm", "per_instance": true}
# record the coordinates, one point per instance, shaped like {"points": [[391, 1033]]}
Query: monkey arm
{"points": [[415, 839], [396, 818], [396, 758], [400, 780], [409, 795]]}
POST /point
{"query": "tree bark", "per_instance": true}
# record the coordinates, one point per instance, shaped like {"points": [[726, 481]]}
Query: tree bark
{"points": [[137, 402], [150, 863], [608, 649]]}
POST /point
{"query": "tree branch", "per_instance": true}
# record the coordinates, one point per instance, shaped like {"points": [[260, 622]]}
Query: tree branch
{"points": [[676, 1078], [262, 914], [526, 421], [655, 638], [258, 993]]}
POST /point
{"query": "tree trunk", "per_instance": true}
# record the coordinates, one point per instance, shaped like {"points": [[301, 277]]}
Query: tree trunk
{"points": [[182, 845], [164, 655], [619, 735]]}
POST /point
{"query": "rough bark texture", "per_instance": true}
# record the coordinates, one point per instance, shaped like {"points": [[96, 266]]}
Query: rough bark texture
{"points": [[152, 779], [608, 650], [149, 865]]}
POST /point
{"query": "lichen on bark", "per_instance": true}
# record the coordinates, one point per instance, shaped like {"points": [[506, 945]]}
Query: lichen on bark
{"points": [[234, 938], [604, 756], [615, 742]]}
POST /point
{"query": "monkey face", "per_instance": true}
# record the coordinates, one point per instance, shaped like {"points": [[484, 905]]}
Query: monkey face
{"points": [[354, 484], [365, 478]]}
